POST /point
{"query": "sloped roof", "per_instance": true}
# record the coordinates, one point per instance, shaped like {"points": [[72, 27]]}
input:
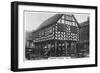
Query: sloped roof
{"points": [[28, 35], [85, 23], [76, 20], [50, 21]]}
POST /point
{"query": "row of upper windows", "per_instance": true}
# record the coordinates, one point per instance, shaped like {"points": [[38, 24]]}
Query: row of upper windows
{"points": [[68, 36], [59, 36], [43, 39], [68, 17], [74, 39], [72, 34], [44, 32], [67, 22]]}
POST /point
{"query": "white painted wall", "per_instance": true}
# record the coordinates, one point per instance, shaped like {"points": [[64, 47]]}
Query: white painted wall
{"points": [[5, 20]]}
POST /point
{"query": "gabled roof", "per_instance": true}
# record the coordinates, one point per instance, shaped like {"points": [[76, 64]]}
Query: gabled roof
{"points": [[76, 20], [85, 23], [50, 21]]}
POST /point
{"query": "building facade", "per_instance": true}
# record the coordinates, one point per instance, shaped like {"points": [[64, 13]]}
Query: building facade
{"points": [[56, 37], [83, 47]]}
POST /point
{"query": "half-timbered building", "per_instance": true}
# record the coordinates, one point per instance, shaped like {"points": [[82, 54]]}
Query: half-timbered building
{"points": [[56, 37]]}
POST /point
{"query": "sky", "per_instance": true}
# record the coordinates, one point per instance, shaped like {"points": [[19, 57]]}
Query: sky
{"points": [[34, 19]]}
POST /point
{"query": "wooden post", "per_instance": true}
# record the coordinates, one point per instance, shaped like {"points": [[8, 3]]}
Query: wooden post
{"points": [[55, 48], [66, 48]]}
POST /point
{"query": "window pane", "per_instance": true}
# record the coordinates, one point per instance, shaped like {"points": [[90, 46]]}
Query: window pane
{"points": [[63, 21]]}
